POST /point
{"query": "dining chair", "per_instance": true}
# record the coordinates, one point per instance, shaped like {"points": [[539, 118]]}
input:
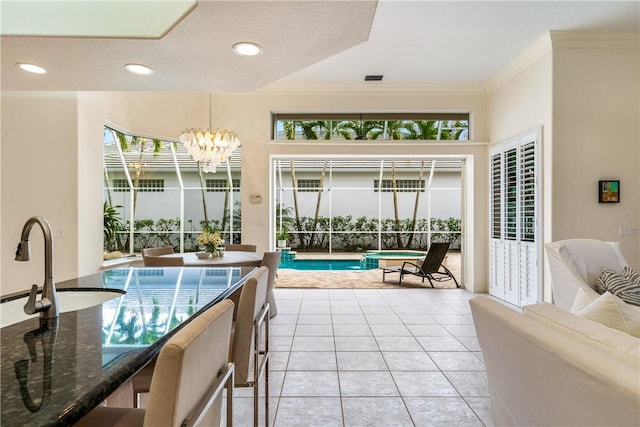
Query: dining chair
{"points": [[241, 247], [271, 261], [191, 372], [250, 339], [160, 261], [154, 252]]}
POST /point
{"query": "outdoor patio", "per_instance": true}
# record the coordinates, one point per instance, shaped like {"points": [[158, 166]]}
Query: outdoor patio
{"points": [[362, 279]]}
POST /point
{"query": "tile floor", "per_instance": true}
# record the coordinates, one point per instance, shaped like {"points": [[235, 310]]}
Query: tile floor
{"points": [[373, 357]]}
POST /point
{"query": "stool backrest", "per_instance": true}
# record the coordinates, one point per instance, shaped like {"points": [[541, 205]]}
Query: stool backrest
{"points": [[188, 364]]}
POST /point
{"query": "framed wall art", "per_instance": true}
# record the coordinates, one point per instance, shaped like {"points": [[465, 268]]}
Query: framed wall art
{"points": [[609, 191]]}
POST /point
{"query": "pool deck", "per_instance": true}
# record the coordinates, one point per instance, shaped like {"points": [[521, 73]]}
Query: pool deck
{"points": [[367, 279]]}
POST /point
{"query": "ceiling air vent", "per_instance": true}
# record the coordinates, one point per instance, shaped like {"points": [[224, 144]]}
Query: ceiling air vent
{"points": [[373, 78]]}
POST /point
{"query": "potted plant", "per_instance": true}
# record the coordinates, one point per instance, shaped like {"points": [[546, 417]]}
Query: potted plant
{"points": [[281, 237]]}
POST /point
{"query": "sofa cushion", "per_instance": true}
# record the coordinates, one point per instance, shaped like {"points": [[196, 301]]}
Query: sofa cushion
{"points": [[624, 346], [625, 285], [610, 311]]}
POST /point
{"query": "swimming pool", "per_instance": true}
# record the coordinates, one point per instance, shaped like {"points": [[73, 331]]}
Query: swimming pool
{"points": [[323, 264], [389, 258], [369, 261]]}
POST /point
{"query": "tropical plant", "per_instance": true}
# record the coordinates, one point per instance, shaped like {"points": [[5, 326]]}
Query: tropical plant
{"points": [[283, 234], [112, 225], [364, 129]]}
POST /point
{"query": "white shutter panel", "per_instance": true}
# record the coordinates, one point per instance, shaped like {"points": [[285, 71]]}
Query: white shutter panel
{"points": [[514, 232]]}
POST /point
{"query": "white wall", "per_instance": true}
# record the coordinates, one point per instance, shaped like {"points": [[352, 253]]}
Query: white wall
{"points": [[39, 177], [596, 125], [250, 116], [585, 94], [64, 181], [522, 103]]}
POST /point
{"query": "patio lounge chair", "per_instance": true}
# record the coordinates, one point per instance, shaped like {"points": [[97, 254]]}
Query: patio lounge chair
{"points": [[431, 268]]}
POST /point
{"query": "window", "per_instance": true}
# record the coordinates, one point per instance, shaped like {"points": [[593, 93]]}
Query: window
{"points": [[155, 188], [221, 185], [371, 126], [402, 185], [144, 185], [309, 185]]}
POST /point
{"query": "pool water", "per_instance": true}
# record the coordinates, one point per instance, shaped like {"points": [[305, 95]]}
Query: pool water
{"points": [[323, 264]]}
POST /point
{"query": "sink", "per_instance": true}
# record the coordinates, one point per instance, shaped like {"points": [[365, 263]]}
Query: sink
{"points": [[11, 311]]}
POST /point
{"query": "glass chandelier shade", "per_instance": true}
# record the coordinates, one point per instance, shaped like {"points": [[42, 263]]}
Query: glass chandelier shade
{"points": [[209, 149]]}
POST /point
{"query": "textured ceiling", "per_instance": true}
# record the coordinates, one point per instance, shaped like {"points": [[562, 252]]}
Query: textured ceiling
{"points": [[196, 54], [313, 42]]}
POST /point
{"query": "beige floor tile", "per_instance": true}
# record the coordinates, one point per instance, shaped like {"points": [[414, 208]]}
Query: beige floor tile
{"points": [[439, 412], [375, 411]]}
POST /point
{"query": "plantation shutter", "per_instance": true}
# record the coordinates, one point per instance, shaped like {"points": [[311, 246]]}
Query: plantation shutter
{"points": [[514, 207]]}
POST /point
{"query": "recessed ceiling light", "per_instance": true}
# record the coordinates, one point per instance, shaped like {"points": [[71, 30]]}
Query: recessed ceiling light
{"points": [[138, 69], [31, 68], [247, 49]]}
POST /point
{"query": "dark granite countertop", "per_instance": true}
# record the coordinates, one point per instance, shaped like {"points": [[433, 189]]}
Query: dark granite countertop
{"points": [[53, 374]]}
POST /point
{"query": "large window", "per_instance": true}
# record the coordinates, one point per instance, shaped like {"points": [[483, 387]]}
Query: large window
{"points": [[420, 202], [372, 126], [161, 197]]}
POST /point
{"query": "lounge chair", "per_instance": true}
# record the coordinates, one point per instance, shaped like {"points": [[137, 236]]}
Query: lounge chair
{"points": [[431, 268]]}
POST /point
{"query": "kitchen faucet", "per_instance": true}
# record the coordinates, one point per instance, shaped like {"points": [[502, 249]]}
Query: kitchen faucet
{"points": [[48, 304]]}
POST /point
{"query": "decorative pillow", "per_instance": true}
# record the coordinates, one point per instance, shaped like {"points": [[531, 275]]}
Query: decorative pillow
{"points": [[625, 285], [613, 312], [582, 300]]}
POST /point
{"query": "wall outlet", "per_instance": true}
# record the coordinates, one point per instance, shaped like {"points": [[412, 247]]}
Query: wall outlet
{"points": [[626, 230]]}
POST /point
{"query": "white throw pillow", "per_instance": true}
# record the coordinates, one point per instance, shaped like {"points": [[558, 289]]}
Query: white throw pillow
{"points": [[582, 300], [610, 311]]}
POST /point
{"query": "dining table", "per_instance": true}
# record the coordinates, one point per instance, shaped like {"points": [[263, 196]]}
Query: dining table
{"points": [[55, 372], [228, 259]]}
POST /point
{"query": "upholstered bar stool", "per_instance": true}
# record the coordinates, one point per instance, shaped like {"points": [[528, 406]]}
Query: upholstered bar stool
{"points": [[190, 374], [250, 339], [271, 261], [247, 351]]}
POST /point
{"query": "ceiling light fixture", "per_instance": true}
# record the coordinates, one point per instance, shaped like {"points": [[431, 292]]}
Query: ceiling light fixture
{"points": [[32, 68], [209, 148], [247, 49], [143, 70]]}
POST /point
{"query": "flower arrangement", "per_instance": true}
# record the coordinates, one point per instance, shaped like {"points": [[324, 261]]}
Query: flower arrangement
{"points": [[210, 240]]}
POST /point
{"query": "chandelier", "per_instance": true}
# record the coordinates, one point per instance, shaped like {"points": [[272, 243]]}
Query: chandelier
{"points": [[209, 149]]}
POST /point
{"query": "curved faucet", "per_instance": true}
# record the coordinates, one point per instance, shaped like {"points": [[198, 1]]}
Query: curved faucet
{"points": [[48, 304]]}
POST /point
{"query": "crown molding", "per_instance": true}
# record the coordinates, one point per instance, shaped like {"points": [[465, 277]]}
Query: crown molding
{"points": [[375, 89], [523, 61], [595, 39]]}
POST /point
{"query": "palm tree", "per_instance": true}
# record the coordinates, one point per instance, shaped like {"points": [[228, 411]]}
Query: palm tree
{"points": [[125, 145], [290, 133], [415, 205], [317, 213], [362, 129], [422, 129], [391, 129], [395, 205]]}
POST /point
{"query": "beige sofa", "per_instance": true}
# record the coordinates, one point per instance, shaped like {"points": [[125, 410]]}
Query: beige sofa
{"points": [[548, 367]]}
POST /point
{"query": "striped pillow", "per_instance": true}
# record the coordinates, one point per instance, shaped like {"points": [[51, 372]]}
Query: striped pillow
{"points": [[625, 285]]}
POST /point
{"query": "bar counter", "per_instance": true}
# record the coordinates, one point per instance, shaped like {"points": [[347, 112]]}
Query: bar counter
{"points": [[54, 373]]}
